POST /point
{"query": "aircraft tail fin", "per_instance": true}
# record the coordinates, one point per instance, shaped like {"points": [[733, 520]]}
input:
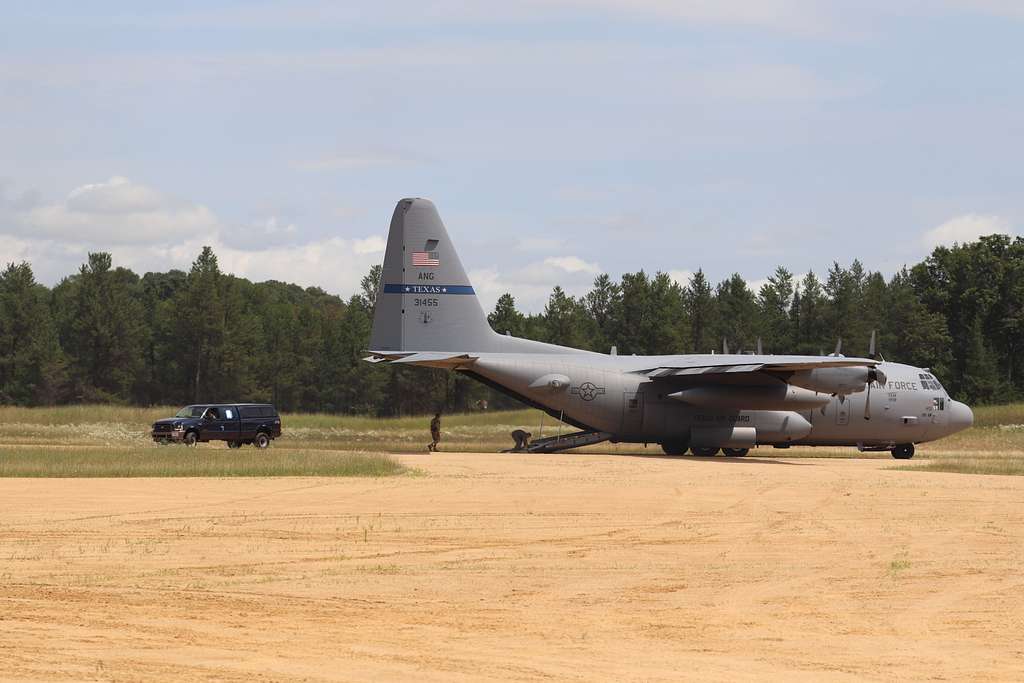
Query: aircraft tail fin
{"points": [[425, 301]]}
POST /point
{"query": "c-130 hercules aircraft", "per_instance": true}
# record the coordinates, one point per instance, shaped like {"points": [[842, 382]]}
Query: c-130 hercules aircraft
{"points": [[428, 314]]}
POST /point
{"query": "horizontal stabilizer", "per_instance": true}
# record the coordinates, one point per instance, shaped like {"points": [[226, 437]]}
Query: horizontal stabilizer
{"points": [[432, 359]]}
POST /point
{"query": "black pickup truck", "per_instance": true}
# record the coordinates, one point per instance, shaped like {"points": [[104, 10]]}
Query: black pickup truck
{"points": [[236, 423]]}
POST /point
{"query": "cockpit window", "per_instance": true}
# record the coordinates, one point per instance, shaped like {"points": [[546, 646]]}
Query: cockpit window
{"points": [[929, 383]]}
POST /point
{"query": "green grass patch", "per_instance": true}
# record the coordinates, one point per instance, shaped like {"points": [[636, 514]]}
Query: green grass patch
{"points": [[179, 461], [993, 416], [995, 463]]}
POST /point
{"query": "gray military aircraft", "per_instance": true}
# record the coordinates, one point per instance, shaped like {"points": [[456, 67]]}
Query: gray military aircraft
{"points": [[428, 314]]}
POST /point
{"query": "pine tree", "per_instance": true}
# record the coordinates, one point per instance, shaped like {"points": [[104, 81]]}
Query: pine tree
{"points": [[199, 324], [564, 320], [737, 313], [774, 301], [811, 331], [103, 331], [700, 307], [505, 318], [603, 304], [32, 369]]}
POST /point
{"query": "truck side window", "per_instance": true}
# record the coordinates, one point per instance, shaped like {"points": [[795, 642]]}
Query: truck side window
{"points": [[229, 414]]}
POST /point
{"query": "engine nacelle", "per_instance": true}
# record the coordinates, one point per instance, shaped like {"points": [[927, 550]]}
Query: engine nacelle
{"points": [[779, 396], [840, 381]]}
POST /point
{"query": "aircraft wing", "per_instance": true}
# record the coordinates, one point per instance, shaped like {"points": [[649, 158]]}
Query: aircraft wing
{"points": [[433, 359], [665, 372]]}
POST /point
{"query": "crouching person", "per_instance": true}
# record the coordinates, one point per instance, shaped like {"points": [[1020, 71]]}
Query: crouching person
{"points": [[522, 439]]}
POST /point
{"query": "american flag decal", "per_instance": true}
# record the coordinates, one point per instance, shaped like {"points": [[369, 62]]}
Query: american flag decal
{"points": [[425, 258]]}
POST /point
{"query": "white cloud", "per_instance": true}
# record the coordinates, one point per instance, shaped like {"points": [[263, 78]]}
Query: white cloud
{"points": [[117, 211], [370, 245], [146, 230], [681, 277], [966, 228], [756, 285], [272, 226], [572, 264], [531, 284], [117, 195]]}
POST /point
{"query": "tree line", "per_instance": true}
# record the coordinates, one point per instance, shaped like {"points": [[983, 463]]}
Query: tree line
{"points": [[105, 334]]}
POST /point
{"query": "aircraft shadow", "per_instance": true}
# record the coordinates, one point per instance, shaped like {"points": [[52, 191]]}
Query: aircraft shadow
{"points": [[718, 459]]}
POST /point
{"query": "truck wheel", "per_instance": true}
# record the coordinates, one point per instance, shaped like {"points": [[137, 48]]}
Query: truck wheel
{"points": [[261, 440], [234, 444], [191, 438]]}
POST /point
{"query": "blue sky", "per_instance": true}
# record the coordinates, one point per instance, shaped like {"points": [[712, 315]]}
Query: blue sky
{"points": [[559, 139]]}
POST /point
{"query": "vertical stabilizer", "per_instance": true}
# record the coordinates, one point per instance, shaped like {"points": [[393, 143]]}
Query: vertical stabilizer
{"points": [[425, 301]]}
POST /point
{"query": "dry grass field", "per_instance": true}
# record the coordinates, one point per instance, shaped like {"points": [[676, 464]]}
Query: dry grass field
{"points": [[114, 441], [527, 567]]}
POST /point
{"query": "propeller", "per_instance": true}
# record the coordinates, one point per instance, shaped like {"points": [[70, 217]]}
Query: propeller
{"points": [[874, 375], [839, 347], [725, 346], [760, 349], [872, 353]]}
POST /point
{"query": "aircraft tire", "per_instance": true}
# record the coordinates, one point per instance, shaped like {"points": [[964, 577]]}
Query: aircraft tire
{"points": [[735, 452], [674, 448], [705, 452], [905, 451]]}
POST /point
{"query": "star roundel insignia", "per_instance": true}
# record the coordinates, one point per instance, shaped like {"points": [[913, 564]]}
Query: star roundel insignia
{"points": [[588, 391]]}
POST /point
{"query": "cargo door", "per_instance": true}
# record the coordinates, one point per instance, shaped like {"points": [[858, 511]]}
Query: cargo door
{"points": [[632, 413]]}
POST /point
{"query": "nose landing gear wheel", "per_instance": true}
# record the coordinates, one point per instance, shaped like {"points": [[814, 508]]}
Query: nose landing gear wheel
{"points": [[735, 452], [905, 451], [705, 452]]}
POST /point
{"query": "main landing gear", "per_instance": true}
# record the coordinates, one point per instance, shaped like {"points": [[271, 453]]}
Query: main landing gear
{"points": [[904, 451]]}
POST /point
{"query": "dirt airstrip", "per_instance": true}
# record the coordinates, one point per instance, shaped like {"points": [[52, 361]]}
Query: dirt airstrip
{"points": [[569, 567]]}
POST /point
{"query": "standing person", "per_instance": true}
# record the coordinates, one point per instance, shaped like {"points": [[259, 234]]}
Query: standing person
{"points": [[435, 432]]}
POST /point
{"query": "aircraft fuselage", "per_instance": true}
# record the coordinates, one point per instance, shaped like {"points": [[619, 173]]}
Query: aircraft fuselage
{"points": [[603, 393]]}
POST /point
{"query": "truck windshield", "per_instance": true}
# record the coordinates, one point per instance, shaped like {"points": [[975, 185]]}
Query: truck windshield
{"points": [[191, 411]]}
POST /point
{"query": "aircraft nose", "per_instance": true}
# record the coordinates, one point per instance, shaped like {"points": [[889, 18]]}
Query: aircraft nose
{"points": [[960, 416]]}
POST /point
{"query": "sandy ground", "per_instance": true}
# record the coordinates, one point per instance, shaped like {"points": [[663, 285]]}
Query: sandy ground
{"points": [[489, 566]]}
